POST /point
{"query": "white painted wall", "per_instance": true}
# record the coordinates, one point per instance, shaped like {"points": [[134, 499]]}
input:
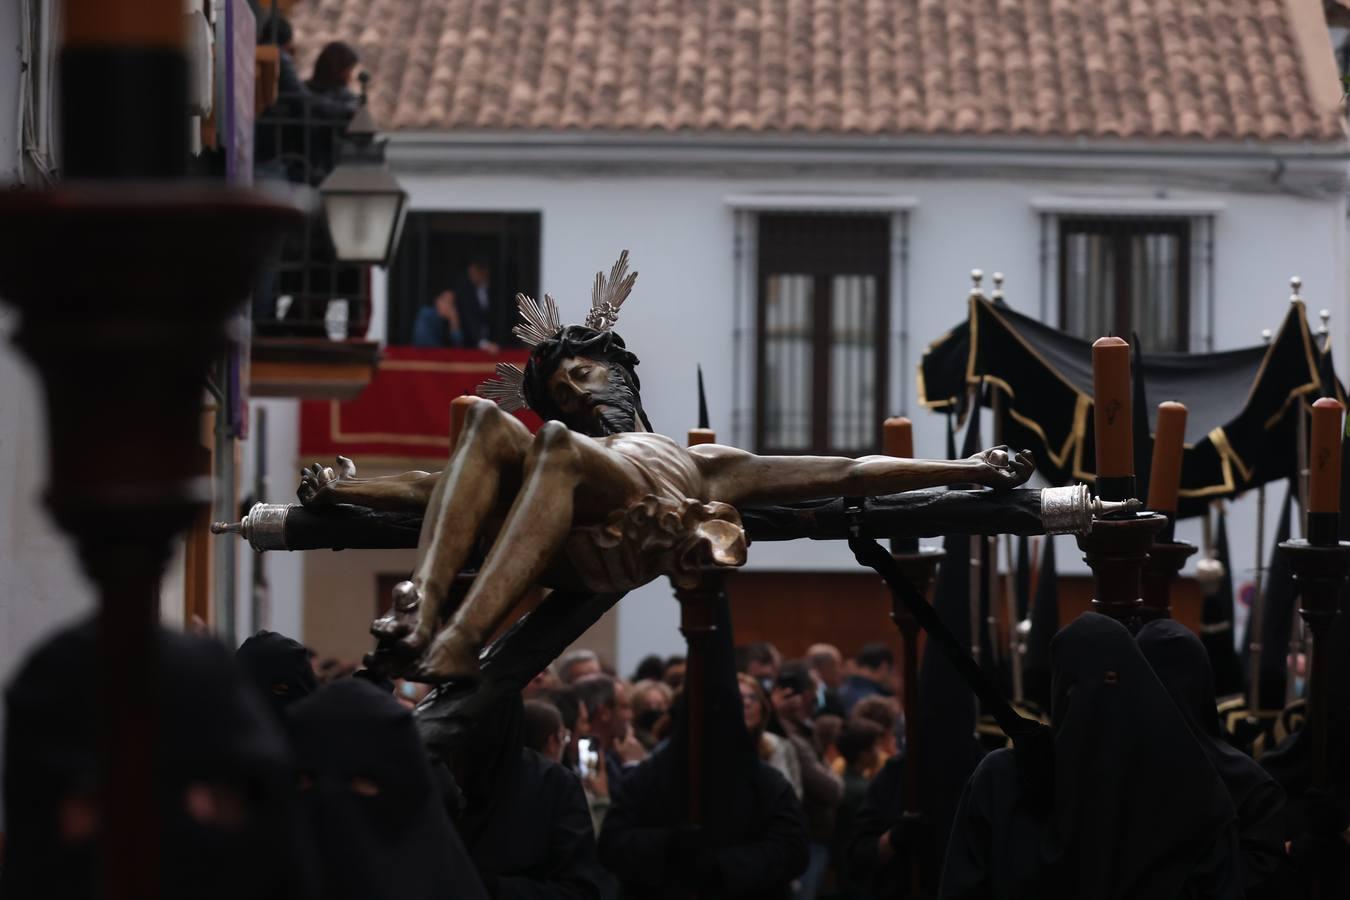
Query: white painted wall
{"points": [[680, 233], [284, 570]]}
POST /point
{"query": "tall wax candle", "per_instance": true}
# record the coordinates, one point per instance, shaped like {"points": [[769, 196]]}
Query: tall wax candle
{"points": [[1164, 480], [897, 437], [1324, 457], [1111, 399]]}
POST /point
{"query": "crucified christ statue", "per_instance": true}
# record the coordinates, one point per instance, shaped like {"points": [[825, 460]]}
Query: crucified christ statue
{"points": [[594, 500]]}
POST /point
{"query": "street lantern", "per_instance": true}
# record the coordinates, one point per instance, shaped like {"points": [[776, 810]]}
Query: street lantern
{"points": [[363, 202]]}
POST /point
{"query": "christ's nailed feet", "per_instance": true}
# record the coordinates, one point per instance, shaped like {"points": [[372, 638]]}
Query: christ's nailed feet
{"points": [[451, 657]]}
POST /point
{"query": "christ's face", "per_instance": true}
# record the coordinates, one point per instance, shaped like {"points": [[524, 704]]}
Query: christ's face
{"points": [[593, 398]]}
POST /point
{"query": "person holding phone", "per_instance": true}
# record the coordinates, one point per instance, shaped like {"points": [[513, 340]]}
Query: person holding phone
{"points": [[610, 713], [594, 781]]}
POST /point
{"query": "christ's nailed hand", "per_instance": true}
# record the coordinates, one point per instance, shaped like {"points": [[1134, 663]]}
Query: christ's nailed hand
{"points": [[1002, 470], [317, 483]]}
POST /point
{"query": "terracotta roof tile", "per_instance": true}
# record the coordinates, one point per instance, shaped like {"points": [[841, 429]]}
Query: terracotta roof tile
{"points": [[1149, 69]]}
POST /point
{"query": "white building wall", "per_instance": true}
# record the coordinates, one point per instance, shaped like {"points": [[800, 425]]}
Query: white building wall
{"points": [[680, 232], [284, 609]]}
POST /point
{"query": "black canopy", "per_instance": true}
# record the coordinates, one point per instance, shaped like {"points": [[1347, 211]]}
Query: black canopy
{"points": [[1239, 432]]}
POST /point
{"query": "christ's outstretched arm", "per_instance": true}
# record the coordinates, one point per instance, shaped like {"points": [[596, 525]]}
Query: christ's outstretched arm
{"points": [[322, 486], [736, 477]]}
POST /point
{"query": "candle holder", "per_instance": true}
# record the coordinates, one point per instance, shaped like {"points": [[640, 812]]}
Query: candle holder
{"points": [[700, 608], [1319, 573], [1165, 560], [1116, 550], [919, 565]]}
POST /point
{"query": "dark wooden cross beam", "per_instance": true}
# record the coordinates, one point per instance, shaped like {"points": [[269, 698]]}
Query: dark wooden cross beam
{"points": [[913, 514]]}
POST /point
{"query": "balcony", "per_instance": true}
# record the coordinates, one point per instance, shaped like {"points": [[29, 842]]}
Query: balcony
{"points": [[404, 415], [311, 311]]}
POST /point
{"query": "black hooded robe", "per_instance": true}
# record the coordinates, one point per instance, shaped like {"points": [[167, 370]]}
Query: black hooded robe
{"points": [[640, 841], [753, 841], [380, 828], [883, 808], [1179, 660], [216, 748], [279, 667], [1290, 763], [1137, 809]]}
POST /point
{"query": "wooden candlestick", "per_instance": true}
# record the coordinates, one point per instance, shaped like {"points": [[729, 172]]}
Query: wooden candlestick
{"points": [[121, 321], [1324, 472], [1165, 560], [919, 567], [1113, 418], [701, 607], [1115, 550], [897, 437], [701, 436]]}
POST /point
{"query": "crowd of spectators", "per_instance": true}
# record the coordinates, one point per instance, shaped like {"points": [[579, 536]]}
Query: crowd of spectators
{"points": [[826, 723], [289, 775]]}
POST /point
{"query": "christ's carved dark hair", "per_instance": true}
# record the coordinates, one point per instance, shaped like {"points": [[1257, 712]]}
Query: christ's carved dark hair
{"points": [[573, 341]]}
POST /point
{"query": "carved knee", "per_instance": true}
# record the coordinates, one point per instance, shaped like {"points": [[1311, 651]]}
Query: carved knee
{"points": [[486, 421], [484, 414], [554, 444]]}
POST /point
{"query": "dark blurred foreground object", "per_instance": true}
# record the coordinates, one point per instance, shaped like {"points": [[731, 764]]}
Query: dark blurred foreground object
{"points": [[380, 826], [223, 787], [162, 264]]}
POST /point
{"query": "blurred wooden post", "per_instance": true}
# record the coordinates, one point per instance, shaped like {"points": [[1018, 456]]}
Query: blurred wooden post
{"points": [[698, 623], [919, 564], [162, 263]]}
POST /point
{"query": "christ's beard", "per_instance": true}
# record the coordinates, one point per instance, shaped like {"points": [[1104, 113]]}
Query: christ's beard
{"points": [[612, 412]]}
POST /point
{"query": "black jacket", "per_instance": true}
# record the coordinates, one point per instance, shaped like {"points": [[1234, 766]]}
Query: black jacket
{"points": [[652, 860], [538, 843], [752, 841], [523, 818]]}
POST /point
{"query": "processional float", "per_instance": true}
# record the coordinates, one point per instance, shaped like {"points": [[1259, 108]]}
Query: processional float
{"points": [[624, 536]]}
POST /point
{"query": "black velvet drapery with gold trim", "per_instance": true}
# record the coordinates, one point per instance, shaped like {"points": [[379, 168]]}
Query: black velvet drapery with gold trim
{"points": [[1243, 404]]}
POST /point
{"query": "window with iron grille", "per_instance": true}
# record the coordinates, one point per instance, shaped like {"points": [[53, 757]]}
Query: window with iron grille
{"points": [[823, 302], [435, 253], [1126, 276]]}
